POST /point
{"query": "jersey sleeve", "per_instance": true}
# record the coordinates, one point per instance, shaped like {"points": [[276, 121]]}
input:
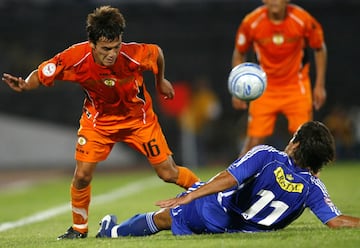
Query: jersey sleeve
{"points": [[245, 34], [314, 32], [320, 203], [62, 65], [50, 69], [243, 38], [149, 54], [250, 164]]}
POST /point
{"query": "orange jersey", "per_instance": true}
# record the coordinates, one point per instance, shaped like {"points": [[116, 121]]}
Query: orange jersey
{"points": [[116, 96], [280, 47]]}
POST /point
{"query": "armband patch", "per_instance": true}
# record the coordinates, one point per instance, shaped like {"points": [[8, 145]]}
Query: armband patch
{"points": [[241, 39], [49, 69]]}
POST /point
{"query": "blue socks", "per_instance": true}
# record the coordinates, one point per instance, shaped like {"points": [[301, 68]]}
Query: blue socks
{"points": [[138, 225]]}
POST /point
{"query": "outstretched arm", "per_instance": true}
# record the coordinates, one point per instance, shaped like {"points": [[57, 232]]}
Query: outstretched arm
{"points": [[218, 183], [343, 221], [19, 84]]}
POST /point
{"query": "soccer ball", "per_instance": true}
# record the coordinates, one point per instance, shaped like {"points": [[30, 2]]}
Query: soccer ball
{"points": [[247, 81]]}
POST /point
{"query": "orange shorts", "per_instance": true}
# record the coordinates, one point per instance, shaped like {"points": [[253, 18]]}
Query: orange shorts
{"points": [[95, 144], [295, 104]]}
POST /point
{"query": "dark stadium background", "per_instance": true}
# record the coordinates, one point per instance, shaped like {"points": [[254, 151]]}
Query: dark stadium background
{"points": [[197, 39]]}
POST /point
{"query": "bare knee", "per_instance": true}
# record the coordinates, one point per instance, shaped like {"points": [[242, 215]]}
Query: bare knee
{"points": [[162, 219], [81, 180]]}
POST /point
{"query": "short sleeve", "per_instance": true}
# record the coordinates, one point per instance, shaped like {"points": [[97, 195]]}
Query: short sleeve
{"points": [[150, 53], [65, 65], [48, 70], [250, 164], [320, 203], [243, 38], [314, 33]]}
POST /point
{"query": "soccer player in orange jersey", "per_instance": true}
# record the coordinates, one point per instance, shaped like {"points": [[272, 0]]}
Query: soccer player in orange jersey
{"points": [[280, 33], [117, 106]]}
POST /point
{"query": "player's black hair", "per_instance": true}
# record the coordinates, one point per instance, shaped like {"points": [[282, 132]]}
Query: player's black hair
{"points": [[316, 146], [106, 22]]}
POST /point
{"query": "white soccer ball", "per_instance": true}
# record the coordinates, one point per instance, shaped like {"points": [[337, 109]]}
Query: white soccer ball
{"points": [[247, 81]]}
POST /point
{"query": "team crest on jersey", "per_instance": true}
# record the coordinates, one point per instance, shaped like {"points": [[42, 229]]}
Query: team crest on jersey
{"points": [[278, 39], [285, 184], [109, 82], [81, 140], [289, 177], [49, 69]]}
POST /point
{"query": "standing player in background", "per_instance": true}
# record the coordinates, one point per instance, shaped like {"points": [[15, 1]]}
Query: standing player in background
{"points": [[265, 190], [280, 34], [117, 106], [195, 121]]}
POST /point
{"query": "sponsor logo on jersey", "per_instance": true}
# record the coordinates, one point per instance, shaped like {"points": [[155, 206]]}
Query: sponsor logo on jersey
{"points": [[49, 69], [285, 184], [109, 82]]}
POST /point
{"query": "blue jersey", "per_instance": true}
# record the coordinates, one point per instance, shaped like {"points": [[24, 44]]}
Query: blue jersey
{"points": [[271, 193]]}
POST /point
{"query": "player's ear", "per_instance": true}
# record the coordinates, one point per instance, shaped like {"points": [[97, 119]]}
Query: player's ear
{"points": [[92, 45]]}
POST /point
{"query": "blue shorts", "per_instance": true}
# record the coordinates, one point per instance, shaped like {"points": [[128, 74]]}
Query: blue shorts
{"points": [[199, 216], [181, 216]]}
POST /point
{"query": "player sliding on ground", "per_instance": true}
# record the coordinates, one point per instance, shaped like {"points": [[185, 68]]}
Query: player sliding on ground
{"points": [[264, 190], [117, 106]]}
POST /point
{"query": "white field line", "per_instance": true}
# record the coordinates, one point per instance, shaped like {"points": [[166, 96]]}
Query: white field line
{"points": [[127, 190]]}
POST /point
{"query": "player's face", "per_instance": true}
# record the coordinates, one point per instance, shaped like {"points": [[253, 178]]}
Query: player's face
{"points": [[105, 52], [276, 8]]}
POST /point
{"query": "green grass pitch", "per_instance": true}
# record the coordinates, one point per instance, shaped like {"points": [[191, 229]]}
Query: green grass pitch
{"points": [[122, 194]]}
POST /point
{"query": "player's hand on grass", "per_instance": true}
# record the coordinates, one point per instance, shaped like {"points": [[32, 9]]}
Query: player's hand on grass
{"points": [[16, 83]]}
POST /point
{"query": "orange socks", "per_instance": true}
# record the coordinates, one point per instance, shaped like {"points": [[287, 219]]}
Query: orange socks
{"points": [[80, 200], [186, 177]]}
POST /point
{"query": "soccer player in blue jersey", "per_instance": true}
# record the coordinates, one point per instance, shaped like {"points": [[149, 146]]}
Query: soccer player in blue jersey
{"points": [[264, 190]]}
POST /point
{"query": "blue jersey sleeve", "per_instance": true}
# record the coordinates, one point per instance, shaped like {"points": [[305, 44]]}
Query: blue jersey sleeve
{"points": [[251, 163], [320, 203]]}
